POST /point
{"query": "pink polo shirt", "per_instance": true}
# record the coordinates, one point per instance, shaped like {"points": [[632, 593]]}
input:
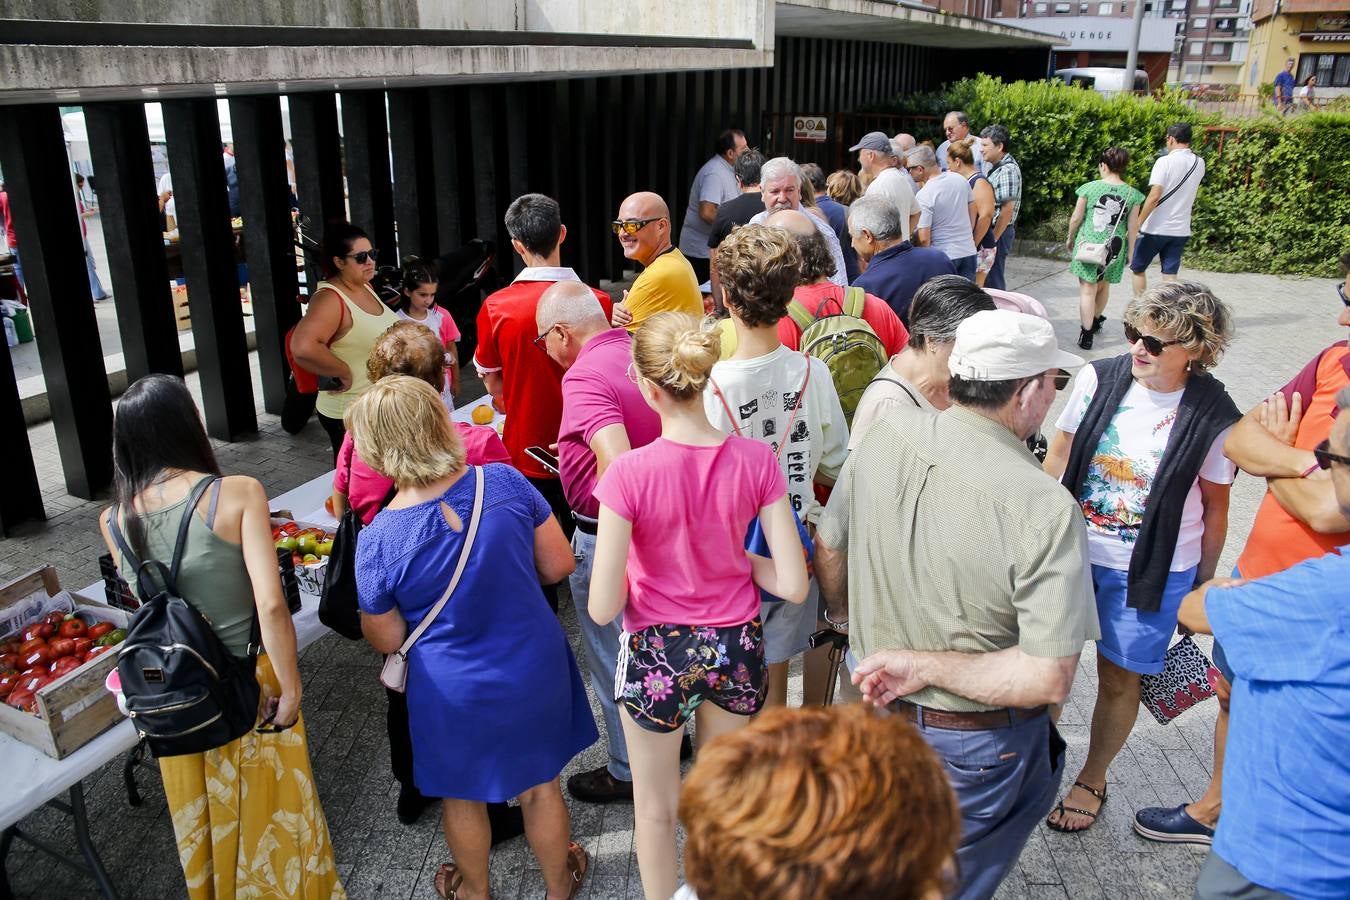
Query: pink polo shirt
{"points": [[368, 488], [597, 392]]}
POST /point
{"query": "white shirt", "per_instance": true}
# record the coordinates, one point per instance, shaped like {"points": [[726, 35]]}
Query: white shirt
{"points": [[840, 276], [1123, 466], [715, 183], [1173, 217], [944, 206], [761, 393], [891, 184]]}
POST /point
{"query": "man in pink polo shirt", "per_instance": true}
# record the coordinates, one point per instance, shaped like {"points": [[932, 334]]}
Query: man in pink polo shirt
{"points": [[603, 415]]}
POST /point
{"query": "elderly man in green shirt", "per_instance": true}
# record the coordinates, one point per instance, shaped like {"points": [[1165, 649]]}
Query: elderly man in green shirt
{"points": [[962, 569]]}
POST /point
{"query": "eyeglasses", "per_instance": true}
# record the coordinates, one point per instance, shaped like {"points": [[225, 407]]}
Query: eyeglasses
{"points": [[633, 373], [1154, 346], [372, 254], [542, 341], [1325, 457], [631, 227], [1340, 289]]}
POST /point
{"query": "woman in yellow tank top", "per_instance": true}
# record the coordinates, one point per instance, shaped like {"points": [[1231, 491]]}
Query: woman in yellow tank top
{"points": [[344, 318]]}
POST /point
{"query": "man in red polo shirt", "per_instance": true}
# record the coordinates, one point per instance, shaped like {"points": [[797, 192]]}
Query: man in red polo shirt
{"points": [[1299, 519], [524, 382]]}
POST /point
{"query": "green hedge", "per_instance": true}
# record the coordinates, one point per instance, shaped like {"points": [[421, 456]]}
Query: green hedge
{"points": [[1276, 197]]}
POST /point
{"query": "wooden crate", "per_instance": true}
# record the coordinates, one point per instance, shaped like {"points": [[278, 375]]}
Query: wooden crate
{"points": [[75, 708]]}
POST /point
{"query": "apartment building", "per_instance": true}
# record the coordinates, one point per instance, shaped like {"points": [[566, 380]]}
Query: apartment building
{"points": [[1314, 33]]}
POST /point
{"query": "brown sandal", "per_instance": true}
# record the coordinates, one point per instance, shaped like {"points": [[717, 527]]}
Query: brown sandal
{"points": [[1092, 816], [448, 881], [578, 863]]}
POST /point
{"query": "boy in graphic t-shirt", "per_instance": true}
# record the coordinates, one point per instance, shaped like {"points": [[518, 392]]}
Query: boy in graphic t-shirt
{"points": [[763, 392]]}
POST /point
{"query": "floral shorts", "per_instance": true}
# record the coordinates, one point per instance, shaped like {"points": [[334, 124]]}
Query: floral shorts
{"points": [[665, 671]]}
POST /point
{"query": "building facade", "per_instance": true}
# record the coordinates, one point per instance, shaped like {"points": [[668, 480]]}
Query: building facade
{"points": [[1314, 33]]}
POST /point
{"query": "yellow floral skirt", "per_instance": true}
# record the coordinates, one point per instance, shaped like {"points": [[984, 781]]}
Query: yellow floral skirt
{"points": [[247, 816]]}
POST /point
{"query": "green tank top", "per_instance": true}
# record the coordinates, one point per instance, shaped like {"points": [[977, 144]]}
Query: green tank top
{"points": [[353, 348], [212, 576]]}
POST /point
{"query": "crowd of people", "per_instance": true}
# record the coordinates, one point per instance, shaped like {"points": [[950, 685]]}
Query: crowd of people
{"points": [[813, 410]]}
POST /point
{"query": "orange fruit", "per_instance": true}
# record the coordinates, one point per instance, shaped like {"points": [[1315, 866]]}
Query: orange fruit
{"points": [[482, 414]]}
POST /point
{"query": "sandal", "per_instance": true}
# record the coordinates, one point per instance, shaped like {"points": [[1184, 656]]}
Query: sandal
{"points": [[578, 863], [1092, 816], [448, 881]]}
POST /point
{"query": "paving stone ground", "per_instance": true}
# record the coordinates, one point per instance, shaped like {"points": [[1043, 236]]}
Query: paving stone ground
{"points": [[1281, 323]]}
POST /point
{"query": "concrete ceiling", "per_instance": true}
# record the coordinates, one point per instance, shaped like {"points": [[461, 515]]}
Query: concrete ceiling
{"points": [[877, 20]]}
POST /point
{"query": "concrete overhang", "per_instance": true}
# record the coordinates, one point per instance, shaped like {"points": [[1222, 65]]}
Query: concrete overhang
{"points": [[877, 20]]}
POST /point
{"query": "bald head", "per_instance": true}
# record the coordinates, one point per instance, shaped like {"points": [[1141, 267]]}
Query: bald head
{"points": [[643, 205], [902, 143], [568, 316], [791, 221], [649, 213]]}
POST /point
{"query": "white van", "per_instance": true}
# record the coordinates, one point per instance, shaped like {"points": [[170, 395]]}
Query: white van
{"points": [[1102, 79]]}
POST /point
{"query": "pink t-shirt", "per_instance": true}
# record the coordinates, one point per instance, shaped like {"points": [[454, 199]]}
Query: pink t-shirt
{"points": [[597, 392], [368, 488], [690, 508]]}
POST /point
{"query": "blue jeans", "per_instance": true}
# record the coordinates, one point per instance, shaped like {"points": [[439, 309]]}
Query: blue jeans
{"points": [[602, 653], [18, 269], [1006, 783], [995, 279], [965, 266], [95, 286]]}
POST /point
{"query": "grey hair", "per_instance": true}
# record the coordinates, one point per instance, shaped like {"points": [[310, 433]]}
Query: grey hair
{"points": [[571, 303], [780, 167], [922, 155], [940, 305], [960, 116], [997, 134], [877, 215], [1191, 313]]}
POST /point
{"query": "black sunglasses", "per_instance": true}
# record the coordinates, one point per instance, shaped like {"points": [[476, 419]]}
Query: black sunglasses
{"points": [[266, 726], [372, 254], [1325, 457], [631, 227], [1340, 289], [1062, 379], [1154, 346]]}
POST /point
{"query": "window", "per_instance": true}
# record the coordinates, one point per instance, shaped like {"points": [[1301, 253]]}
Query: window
{"points": [[1202, 4], [1104, 9], [1063, 9], [1082, 8], [1179, 4], [1331, 69], [1199, 23], [1220, 49], [1041, 9], [1225, 24], [1197, 48]]}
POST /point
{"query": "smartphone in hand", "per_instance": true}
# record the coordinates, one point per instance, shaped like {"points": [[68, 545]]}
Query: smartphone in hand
{"points": [[546, 459]]}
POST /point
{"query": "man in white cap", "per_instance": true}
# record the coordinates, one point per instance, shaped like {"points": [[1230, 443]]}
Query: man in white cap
{"points": [[876, 158], [962, 570]]}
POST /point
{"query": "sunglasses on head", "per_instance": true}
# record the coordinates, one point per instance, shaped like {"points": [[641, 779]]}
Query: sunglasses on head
{"points": [[372, 254], [1325, 457], [1154, 346], [631, 227]]}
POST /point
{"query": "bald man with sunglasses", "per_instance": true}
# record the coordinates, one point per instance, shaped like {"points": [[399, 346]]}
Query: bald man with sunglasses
{"points": [[667, 282]]}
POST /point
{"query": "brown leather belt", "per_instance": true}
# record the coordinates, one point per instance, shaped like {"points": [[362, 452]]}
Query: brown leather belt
{"points": [[965, 721]]}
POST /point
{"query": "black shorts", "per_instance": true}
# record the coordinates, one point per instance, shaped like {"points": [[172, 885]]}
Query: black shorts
{"points": [[665, 671]]}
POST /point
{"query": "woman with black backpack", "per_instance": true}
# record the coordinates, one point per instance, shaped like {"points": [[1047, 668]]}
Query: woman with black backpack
{"points": [[225, 801]]}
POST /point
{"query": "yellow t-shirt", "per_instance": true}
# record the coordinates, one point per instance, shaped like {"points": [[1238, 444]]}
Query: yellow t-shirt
{"points": [[667, 285]]}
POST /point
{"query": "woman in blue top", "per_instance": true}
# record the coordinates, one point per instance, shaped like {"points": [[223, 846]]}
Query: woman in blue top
{"points": [[495, 702]]}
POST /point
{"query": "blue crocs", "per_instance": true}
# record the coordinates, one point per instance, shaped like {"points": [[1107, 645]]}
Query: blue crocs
{"points": [[1171, 825]]}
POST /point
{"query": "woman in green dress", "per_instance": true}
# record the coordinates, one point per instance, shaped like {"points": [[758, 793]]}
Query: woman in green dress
{"points": [[1107, 213]]}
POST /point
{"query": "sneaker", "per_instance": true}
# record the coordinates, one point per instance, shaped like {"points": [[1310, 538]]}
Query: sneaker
{"points": [[1097, 324], [411, 804], [1172, 825], [1085, 338], [599, 786]]}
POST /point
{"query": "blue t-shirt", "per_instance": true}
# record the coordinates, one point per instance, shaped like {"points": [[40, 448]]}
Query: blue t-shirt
{"points": [[1284, 84], [897, 272], [1286, 798]]}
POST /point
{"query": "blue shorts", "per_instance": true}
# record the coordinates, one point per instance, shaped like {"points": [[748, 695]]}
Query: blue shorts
{"points": [[1135, 640], [788, 626], [1167, 246]]}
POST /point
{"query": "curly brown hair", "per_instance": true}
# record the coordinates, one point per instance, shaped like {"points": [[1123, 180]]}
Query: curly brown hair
{"points": [[408, 348], [1188, 312], [758, 266], [824, 802]]}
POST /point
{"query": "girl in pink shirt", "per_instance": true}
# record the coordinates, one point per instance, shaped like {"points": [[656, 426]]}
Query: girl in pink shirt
{"points": [[688, 590], [418, 304]]}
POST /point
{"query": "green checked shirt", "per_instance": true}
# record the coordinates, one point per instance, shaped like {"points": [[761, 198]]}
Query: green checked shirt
{"points": [[1006, 180], [957, 540]]}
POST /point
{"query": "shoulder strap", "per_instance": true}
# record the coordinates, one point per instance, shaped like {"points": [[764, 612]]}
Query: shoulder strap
{"points": [[459, 567], [211, 507], [854, 301], [902, 386], [1178, 185], [123, 545], [796, 407], [800, 315]]}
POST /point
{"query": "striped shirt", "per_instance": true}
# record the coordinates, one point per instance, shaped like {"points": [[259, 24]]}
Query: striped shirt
{"points": [[958, 541]]}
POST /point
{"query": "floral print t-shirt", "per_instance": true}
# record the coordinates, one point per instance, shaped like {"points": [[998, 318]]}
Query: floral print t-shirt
{"points": [[1120, 474]]}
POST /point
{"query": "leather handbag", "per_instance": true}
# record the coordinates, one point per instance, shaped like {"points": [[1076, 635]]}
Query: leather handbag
{"points": [[394, 675], [338, 608], [1187, 679], [1100, 254]]}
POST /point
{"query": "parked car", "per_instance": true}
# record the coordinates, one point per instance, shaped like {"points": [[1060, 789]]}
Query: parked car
{"points": [[1103, 79]]}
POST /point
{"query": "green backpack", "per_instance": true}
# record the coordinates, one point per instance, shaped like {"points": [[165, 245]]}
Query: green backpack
{"points": [[846, 344]]}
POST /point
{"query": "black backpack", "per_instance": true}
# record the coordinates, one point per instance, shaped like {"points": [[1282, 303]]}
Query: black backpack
{"points": [[185, 692]]}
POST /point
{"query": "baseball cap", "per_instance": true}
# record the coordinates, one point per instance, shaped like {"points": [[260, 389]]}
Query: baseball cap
{"points": [[999, 345], [874, 140]]}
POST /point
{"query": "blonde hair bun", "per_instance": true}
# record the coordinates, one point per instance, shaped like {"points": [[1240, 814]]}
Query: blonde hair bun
{"points": [[675, 351]]}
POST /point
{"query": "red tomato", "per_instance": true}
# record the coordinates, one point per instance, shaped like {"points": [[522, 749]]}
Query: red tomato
{"points": [[21, 699], [98, 630], [82, 645], [96, 651], [38, 657], [65, 664], [9, 660], [10, 645], [54, 619], [73, 628], [61, 647], [39, 631], [35, 683], [29, 644], [8, 683], [290, 528]]}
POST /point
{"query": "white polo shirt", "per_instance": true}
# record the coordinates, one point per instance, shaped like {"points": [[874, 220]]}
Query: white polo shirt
{"points": [[891, 184], [1172, 218]]}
